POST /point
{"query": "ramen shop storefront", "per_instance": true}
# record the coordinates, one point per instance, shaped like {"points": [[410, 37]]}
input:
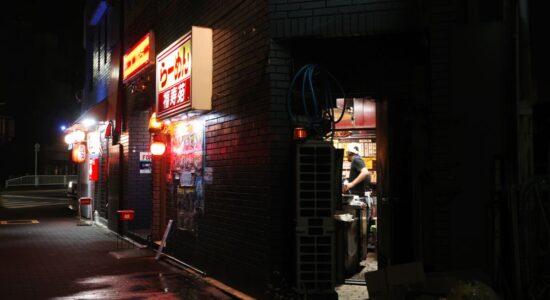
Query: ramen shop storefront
{"points": [[183, 98]]}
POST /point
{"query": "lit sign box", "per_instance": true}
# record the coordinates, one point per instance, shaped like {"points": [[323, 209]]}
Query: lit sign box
{"points": [[140, 56], [184, 74]]}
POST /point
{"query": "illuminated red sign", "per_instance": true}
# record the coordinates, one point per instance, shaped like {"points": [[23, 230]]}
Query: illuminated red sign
{"points": [[93, 170], [184, 74], [140, 56], [85, 201], [174, 77], [126, 214]]}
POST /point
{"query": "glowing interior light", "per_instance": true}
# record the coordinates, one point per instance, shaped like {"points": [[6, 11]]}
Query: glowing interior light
{"points": [[63, 127]]}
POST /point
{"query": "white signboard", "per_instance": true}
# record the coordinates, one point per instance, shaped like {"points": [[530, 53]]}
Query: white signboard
{"points": [[145, 162]]}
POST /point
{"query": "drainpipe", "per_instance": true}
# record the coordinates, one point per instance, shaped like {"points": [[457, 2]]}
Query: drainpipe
{"points": [[525, 94], [525, 98]]}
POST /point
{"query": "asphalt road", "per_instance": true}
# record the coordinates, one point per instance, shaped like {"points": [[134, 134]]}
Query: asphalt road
{"points": [[45, 255], [33, 198]]}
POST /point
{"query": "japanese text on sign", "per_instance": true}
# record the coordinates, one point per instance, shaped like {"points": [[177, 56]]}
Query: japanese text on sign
{"points": [[174, 77], [138, 57]]}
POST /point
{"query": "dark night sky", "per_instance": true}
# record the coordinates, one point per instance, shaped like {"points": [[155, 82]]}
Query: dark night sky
{"points": [[42, 70]]}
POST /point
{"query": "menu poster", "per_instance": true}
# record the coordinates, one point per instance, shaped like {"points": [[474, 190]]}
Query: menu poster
{"points": [[187, 161]]}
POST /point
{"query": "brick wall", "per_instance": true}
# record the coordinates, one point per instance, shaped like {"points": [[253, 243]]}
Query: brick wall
{"points": [[441, 189], [97, 75], [138, 196], [101, 184], [336, 18], [247, 224], [234, 231], [98, 61]]}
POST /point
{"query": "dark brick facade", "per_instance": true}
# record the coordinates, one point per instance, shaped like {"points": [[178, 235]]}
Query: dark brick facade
{"points": [[337, 18], [138, 193], [398, 52], [98, 45]]}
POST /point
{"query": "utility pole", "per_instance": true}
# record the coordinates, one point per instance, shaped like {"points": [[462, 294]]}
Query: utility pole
{"points": [[36, 149]]}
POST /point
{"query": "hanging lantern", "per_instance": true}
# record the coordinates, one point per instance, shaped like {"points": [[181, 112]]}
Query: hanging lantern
{"points": [[299, 134], [158, 148], [78, 153]]}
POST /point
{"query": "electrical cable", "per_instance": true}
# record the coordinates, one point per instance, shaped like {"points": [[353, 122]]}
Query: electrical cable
{"points": [[317, 103]]}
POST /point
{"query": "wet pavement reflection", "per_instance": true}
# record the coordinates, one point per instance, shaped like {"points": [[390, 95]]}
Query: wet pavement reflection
{"points": [[146, 286]]}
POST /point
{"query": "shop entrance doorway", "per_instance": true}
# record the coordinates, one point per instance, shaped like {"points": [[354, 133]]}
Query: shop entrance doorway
{"points": [[357, 215]]}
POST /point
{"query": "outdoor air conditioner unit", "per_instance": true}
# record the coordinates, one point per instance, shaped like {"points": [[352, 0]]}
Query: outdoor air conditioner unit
{"points": [[318, 175]]}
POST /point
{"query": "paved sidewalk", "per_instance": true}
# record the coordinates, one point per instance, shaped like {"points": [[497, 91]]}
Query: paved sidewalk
{"points": [[56, 259]]}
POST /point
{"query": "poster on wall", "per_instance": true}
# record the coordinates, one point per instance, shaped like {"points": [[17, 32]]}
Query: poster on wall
{"points": [[145, 163], [187, 164]]}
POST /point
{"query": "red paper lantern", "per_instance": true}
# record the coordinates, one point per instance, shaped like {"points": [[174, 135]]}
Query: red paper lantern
{"points": [[158, 148], [78, 154], [300, 133]]}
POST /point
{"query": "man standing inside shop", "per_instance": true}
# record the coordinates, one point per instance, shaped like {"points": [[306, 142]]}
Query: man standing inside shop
{"points": [[358, 173], [358, 185]]}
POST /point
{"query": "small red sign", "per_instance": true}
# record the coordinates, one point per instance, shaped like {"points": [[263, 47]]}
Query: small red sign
{"points": [[125, 215], [85, 201]]}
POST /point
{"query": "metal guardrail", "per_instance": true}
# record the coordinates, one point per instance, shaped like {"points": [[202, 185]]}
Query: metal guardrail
{"points": [[41, 180]]}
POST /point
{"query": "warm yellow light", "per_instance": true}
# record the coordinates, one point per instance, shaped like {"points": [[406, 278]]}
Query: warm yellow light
{"points": [[158, 148], [153, 123]]}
